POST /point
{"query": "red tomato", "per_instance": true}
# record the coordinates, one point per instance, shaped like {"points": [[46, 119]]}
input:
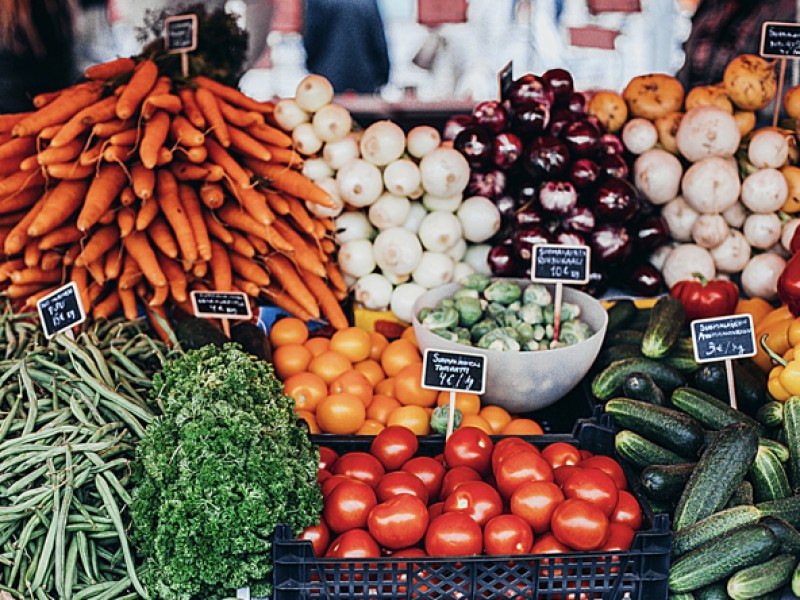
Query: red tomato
{"points": [[579, 524], [348, 505], [434, 510], [506, 445], [322, 475], [586, 454], [456, 476], [355, 543], [402, 576], [535, 501], [361, 466], [393, 446], [430, 471], [620, 537], [469, 447], [399, 522], [327, 458], [548, 544], [561, 474], [507, 534], [400, 482], [610, 467], [593, 486], [516, 468], [477, 499], [561, 453], [330, 484], [319, 536], [453, 534], [627, 511]]}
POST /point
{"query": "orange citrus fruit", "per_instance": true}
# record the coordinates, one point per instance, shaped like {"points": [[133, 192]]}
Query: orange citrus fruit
{"points": [[329, 365], [318, 345], [397, 355], [522, 427], [476, 421], [410, 335], [341, 413], [385, 387], [353, 342], [313, 426], [307, 390], [370, 427], [289, 330], [414, 418], [408, 387], [496, 416], [372, 369], [381, 407], [290, 359], [468, 404], [378, 343], [353, 382]]}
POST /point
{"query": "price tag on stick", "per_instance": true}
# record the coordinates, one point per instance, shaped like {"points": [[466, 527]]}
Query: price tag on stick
{"points": [[61, 310], [180, 35], [724, 338], [221, 305], [782, 41], [453, 372], [560, 264], [505, 78]]}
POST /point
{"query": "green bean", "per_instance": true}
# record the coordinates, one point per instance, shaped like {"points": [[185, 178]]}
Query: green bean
{"points": [[50, 540], [127, 418], [43, 362], [46, 434], [22, 544], [70, 571], [9, 419], [142, 412], [11, 340], [127, 363], [24, 482], [93, 559], [12, 512], [10, 372], [95, 590], [33, 400], [83, 553], [60, 547]]}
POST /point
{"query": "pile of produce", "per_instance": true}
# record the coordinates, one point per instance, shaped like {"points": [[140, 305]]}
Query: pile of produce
{"points": [[71, 414], [501, 315]]}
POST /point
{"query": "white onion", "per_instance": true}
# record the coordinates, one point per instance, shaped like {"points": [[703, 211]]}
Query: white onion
{"points": [[659, 255], [316, 169], [332, 123], [479, 218], [356, 258], [389, 211], [382, 143], [731, 256], [289, 115], [439, 231], [352, 225], [373, 291], [397, 251], [639, 135], [401, 177], [735, 215], [657, 174], [403, 299], [680, 219], [434, 269], [707, 131], [711, 185], [396, 279], [709, 231], [768, 148], [422, 139], [360, 183], [338, 154], [305, 139], [462, 271], [477, 257], [313, 92], [458, 250], [449, 204], [445, 172], [760, 276], [787, 233], [684, 261], [329, 185], [416, 213], [762, 230], [765, 191]]}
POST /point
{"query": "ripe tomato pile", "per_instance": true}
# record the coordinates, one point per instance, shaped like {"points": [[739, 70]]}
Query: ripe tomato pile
{"points": [[477, 497]]}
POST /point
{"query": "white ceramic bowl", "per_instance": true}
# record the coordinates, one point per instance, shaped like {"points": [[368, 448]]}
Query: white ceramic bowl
{"points": [[526, 381]]}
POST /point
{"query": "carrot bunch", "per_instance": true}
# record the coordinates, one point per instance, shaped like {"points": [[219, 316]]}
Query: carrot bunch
{"points": [[140, 188]]}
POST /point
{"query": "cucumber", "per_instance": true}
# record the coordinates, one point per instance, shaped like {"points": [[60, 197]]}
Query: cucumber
{"points": [[617, 352], [721, 468], [791, 429], [712, 378], [640, 386], [787, 509], [681, 596], [768, 477], [620, 314], [722, 556], [796, 581], [751, 391], [713, 526], [778, 449], [664, 327], [610, 380], [715, 591], [742, 495], [787, 535], [760, 579], [662, 506], [625, 337], [641, 320], [672, 429], [665, 482], [681, 360], [770, 415], [642, 453], [711, 412]]}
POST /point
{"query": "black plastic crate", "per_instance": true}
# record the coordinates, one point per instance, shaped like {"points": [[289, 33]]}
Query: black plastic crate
{"points": [[641, 573]]}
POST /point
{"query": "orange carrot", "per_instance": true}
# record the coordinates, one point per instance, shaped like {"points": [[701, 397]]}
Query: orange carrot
{"points": [[285, 156], [143, 79], [335, 276], [31, 255], [162, 237], [249, 270], [131, 273], [185, 133], [66, 153], [100, 242], [118, 154], [176, 278], [8, 121], [97, 272], [233, 96], [112, 267], [259, 244], [164, 156], [212, 195], [12, 164], [92, 155], [20, 181], [36, 275], [40, 100], [103, 190], [107, 218], [18, 237], [129, 137], [32, 300], [166, 102], [138, 247], [21, 291], [277, 202], [107, 307], [194, 212], [248, 287], [237, 117], [190, 108], [220, 264], [283, 300], [11, 218], [160, 296], [278, 242], [9, 266], [255, 203], [110, 69], [108, 128], [20, 201], [327, 301], [285, 273], [207, 102], [270, 135], [155, 134], [49, 132], [126, 196], [29, 164], [147, 212], [291, 182], [126, 219], [17, 147], [215, 172], [59, 237], [69, 102], [185, 171], [242, 245], [195, 154], [81, 278], [143, 181], [70, 171], [216, 228], [98, 112], [246, 144], [238, 218], [50, 260], [232, 168], [71, 254], [300, 215], [159, 322], [128, 301], [306, 257], [173, 209], [200, 269], [328, 247]]}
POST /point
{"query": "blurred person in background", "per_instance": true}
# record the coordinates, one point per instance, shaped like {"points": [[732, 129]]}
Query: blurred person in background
{"points": [[345, 42], [36, 50]]}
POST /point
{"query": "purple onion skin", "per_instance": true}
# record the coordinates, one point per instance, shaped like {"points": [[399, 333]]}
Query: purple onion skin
{"points": [[570, 238], [615, 201], [577, 103], [650, 233], [528, 215], [503, 261], [491, 115], [526, 191], [611, 144], [477, 146], [582, 138], [546, 158], [531, 119], [597, 285], [561, 83], [489, 184], [507, 150], [507, 205], [525, 238], [614, 165], [455, 124], [580, 220], [557, 197], [611, 245], [560, 119], [530, 88], [584, 173], [645, 280]]}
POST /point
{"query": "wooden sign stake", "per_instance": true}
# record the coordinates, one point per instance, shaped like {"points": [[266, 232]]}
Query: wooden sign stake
{"points": [[557, 310], [731, 383], [776, 111], [451, 416]]}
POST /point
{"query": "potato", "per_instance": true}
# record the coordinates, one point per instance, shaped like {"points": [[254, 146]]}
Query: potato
{"points": [[750, 81], [667, 127], [792, 176], [709, 95], [791, 102], [653, 96], [745, 121], [610, 109]]}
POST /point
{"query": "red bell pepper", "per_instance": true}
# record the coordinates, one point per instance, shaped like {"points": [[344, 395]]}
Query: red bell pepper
{"points": [[789, 284], [703, 299]]}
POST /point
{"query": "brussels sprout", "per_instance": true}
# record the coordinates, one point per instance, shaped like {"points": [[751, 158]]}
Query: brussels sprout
{"points": [[531, 346], [466, 293], [570, 311], [549, 314], [499, 340], [573, 332], [536, 293], [511, 318], [440, 416], [531, 313], [469, 311], [441, 318], [496, 311], [513, 333], [423, 312], [549, 331], [476, 281], [515, 306], [463, 336], [446, 334], [446, 303], [538, 332], [544, 345], [525, 331], [481, 328], [502, 291]]}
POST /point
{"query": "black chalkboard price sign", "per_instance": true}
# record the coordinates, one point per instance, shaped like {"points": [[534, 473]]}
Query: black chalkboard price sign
{"points": [[61, 310], [559, 263], [780, 40], [221, 305], [723, 338], [505, 78], [180, 33], [454, 371]]}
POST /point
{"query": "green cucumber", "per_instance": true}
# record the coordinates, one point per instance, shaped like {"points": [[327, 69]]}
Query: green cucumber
{"points": [[664, 327], [710, 411], [770, 415], [742, 495], [791, 428], [625, 337], [722, 556], [712, 378], [640, 386], [796, 581], [713, 526], [768, 477], [721, 468], [787, 509], [620, 314], [715, 591], [665, 482], [672, 429], [787, 535], [641, 452], [641, 320], [681, 596], [760, 579], [778, 449], [612, 354], [610, 380]]}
